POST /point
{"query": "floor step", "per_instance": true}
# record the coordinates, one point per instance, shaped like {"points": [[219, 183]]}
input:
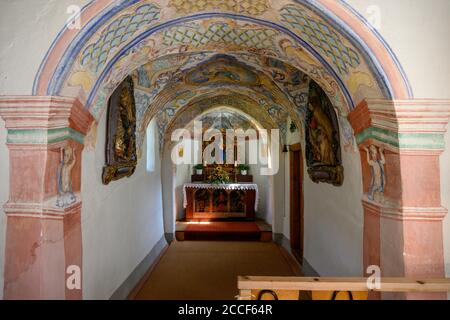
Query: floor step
{"points": [[223, 231]]}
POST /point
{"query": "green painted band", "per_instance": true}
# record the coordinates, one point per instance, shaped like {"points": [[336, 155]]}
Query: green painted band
{"points": [[415, 140], [43, 136]]}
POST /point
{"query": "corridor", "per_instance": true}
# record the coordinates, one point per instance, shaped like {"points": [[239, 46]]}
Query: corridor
{"points": [[194, 270]]}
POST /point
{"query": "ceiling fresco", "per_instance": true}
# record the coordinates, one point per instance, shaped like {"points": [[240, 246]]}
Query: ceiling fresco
{"points": [[282, 48], [251, 7], [162, 88], [263, 117], [223, 118], [269, 115], [146, 30], [178, 50], [166, 85]]}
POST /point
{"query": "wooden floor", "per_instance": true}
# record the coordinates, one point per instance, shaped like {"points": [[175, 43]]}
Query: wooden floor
{"points": [[197, 270]]}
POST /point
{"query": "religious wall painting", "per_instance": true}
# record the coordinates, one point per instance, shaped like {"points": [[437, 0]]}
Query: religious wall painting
{"points": [[222, 69], [348, 135], [121, 157], [323, 153]]}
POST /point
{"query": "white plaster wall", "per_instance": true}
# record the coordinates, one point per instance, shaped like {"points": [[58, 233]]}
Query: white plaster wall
{"points": [[334, 222], [121, 222], [27, 29], [279, 191], [264, 212], [168, 183], [418, 31], [4, 195], [333, 218], [182, 175], [267, 200]]}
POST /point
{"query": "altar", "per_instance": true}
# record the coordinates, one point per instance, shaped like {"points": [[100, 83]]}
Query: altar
{"points": [[209, 201]]}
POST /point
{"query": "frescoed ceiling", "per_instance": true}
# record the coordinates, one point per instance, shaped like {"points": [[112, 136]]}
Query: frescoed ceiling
{"points": [[260, 48], [164, 88], [129, 34], [224, 118], [268, 117], [167, 85], [179, 51]]}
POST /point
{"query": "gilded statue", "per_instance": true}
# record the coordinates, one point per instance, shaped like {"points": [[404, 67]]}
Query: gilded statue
{"points": [[323, 153], [124, 144]]}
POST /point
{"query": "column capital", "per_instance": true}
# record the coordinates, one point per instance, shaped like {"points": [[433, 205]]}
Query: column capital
{"points": [[44, 119], [404, 125]]}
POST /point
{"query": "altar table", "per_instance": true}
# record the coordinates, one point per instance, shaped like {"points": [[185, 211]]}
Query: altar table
{"points": [[207, 201]]}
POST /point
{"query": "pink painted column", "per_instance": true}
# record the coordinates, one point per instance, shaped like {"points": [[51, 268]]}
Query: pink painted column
{"points": [[403, 219], [43, 236]]}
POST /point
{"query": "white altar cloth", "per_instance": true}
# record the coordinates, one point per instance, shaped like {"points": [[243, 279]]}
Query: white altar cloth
{"points": [[223, 186]]}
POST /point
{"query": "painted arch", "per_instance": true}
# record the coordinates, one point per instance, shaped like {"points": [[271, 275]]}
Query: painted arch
{"points": [[325, 39]]}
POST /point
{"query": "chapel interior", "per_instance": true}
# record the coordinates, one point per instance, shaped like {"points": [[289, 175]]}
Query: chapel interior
{"points": [[197, 150]]}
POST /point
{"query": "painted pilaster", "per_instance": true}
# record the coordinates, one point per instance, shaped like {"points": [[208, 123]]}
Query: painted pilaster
{"points": [[400, 143], [43, 237]]}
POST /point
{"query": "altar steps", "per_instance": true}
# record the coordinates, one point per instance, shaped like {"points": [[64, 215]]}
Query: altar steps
{"points": [[223, 231]]}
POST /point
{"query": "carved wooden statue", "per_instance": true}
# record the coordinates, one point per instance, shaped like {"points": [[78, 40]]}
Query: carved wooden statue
{"points": [[121, 156], [323, 152]]}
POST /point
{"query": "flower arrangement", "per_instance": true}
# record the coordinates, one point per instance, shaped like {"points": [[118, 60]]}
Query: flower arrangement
{"points": [[219, 176]]}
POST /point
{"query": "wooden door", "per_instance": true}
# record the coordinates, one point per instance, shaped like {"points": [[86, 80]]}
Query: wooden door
{"points": [[296, 201]]}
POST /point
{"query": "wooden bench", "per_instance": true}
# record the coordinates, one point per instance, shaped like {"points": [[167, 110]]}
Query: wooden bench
{"points": [[290, 288]]}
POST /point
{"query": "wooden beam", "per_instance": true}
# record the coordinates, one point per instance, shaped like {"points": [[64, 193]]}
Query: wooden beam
{"points": [[342, 284], [245, 295]]}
